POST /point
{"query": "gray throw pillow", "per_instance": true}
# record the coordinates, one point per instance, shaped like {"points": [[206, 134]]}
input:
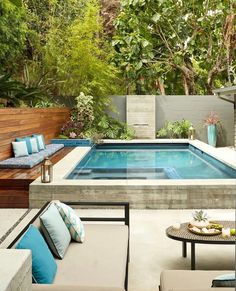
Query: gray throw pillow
{"points": [[55, 231]]}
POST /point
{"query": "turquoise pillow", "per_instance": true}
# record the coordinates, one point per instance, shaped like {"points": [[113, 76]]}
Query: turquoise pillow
{"points": [[40, 141], [226, 280], [44, 267], [55, 231], [34, 145], [28, 143]]}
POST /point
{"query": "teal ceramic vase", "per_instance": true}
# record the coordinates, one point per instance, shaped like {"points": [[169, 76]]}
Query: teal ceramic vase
{"points": [[212, 134]]}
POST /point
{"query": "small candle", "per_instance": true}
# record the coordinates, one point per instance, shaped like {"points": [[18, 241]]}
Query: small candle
{"points": [[225, 232], [176, 226], [47, 178]]}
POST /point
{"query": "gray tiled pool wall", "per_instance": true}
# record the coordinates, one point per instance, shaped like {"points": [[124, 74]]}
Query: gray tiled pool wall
{"points": [[193, 107], [140, 196]]}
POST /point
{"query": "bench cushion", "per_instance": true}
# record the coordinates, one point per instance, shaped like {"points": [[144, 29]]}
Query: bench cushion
{"points": [[31, 160], [100, 261], [185, 279]]}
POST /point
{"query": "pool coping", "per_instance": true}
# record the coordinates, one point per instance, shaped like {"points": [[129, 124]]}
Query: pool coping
{"points": [[65, 166]]}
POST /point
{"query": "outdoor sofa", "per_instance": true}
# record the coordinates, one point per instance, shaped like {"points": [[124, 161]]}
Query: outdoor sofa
{"points": [[186, 280], [100, 263], [32, 160]]}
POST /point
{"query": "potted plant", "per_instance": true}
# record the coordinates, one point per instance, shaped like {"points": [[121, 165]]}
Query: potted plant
{"points": [[211, 122], [200, 219]]}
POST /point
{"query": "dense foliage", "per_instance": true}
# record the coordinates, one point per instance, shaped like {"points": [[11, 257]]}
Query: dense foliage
{"points": [[84, 124], [13, 32], [176, 47], [59, 47], [15, 93], [175, 129]]}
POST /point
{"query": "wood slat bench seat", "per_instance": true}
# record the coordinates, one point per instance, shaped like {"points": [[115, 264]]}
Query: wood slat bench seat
{"points": [[14, 183]]}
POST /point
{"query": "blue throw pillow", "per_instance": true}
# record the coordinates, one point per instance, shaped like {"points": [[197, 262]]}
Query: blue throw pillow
{"points": [[226, 280], [28, 143], [44, 266], [40, 141]]}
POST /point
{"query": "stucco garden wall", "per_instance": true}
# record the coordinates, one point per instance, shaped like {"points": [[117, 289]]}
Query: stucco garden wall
{"points": [[193, 108]]}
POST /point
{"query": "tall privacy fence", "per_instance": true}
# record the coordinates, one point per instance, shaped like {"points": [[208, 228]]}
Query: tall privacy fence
{"points": [[176, 107], [18, 122]]}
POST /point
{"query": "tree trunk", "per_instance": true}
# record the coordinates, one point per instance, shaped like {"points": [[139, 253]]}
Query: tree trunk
{"points": [[159, 84], [188, 80], [185, 84], [210, 81]]}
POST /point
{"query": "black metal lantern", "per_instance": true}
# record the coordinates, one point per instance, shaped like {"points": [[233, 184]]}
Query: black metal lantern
{"points": [[46, 171], [191, 132]]}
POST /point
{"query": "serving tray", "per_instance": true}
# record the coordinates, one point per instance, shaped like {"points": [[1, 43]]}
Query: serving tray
{"points": [[216, 231]]}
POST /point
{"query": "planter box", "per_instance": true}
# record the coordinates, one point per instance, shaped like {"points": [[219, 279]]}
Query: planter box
{"points": [[73, 142]]}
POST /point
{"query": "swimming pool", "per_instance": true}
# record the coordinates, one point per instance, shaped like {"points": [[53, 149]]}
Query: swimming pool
{"points": [[149, 161]]}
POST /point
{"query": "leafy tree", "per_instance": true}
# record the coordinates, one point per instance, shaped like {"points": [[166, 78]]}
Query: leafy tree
{"points": [[13, 31], [67, 53], [17, 3], [79, 57], [176, 47]]}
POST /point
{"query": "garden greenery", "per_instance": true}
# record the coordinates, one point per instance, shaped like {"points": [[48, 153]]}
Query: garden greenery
{"points": [[84, 124], [176, 47], [175, 129], [54, 48]]}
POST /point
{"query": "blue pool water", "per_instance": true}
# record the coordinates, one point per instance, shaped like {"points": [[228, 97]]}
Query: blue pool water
{"points": [[150, 161]]}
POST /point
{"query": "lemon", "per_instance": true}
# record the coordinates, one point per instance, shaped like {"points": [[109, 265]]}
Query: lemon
{"points": [[232, 231]]}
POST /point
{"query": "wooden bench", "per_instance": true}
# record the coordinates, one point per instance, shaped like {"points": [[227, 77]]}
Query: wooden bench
{"points": [[14, 183]]}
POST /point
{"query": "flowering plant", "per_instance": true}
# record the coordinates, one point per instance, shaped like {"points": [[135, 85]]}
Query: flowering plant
{"points": [[72, 129], [73, 134], [212, 118]]}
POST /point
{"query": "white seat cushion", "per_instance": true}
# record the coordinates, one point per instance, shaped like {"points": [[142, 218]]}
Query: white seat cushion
{"points": [[185, 279], [100, 261]]}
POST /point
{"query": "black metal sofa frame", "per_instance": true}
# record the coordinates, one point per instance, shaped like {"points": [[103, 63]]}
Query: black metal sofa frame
{"points": [[125, 219]]}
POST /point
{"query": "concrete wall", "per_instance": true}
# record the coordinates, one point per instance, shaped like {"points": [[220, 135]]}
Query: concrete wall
{"points": [[141, 115], [15, 270], [193, 108]]}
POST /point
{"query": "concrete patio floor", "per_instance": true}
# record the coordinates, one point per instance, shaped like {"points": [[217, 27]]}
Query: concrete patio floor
{"points": [[151, 250]]}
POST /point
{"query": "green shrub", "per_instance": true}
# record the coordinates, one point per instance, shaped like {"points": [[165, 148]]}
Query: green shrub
{"points": [[17, 94], [175, 129], [84, 124], [83, 111]]}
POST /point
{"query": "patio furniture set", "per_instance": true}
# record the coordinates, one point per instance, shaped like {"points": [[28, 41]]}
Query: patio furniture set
{"points": [[97, 261], [100, 261]]}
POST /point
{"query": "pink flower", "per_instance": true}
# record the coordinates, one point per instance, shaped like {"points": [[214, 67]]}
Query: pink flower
{"points": [[72, 134], [212, 118]]}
